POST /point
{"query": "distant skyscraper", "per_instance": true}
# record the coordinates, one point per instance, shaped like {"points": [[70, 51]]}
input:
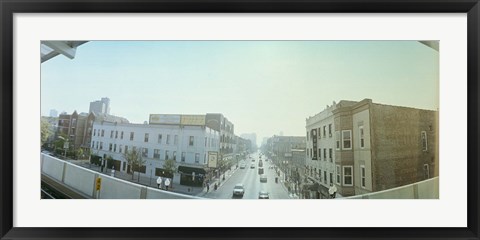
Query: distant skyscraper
{"points": [[53, 113], [106, 101], [264, 141], [250, 136], [100, 107]]}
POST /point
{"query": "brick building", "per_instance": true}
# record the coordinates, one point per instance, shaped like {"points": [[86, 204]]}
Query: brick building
{"points": [[376, 147]]}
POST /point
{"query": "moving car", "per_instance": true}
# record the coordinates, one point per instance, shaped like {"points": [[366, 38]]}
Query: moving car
{"points": [[260, 170], [263, 195], [263, 178], [238, 190], [252, 166], [242, 166]]}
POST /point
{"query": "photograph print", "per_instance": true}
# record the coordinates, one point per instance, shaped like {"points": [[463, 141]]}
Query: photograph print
{"points": [[261, 120]]}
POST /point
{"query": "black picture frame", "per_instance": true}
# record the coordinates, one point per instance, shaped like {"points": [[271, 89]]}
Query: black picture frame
{"points": [[9, 7]]}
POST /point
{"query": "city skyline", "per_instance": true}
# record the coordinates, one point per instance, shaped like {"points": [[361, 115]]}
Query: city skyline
{"points": [[262, 87]]}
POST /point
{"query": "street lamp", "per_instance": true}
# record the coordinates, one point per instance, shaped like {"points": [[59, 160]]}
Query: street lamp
{"points": [[151, 169]]}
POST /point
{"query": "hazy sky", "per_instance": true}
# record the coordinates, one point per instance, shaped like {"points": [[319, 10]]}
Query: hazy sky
{"points": [[266, 87]]}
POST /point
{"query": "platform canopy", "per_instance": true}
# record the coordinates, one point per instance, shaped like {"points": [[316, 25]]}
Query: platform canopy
{"points": [[50, 49]]}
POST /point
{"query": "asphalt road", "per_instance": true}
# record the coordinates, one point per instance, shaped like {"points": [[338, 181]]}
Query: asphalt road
{"points": [[251, 180]]}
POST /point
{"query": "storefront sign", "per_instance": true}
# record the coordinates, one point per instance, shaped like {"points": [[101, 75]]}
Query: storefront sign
{"points": [[164, 119], [195, 120], [212, 159]]}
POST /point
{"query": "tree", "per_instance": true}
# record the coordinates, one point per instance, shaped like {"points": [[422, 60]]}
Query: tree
{"points": [[134, 159], [44, 131], [170, 166], [59, 143], [222, 164], [80, 153]]}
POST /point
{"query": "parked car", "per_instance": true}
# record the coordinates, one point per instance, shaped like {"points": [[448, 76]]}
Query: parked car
{"points": [[263, 195], [242, 166], [252, 166], [238, 190]]}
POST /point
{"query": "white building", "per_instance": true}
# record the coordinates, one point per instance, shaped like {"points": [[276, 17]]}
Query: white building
{"points": [[188, 145], [320, 148]]}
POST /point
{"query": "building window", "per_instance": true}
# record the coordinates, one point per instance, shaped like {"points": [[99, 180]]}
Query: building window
{"points": [[205, 141], [103, 132], [319, 154], [331, 177], [101, 145], [319, 174], [116, 134], [426, 172], [347, 175], [156, 153], [325, 177], [175, 140], [330, 130], [111, 134], [197, 157], [94, 132], [424, 141], [120, 148], [362, 175], [114, 147], [324, 131], [190, 142], [146, 137], [183, 156], [168, 139], [131, 136], [97, 145], [324, 154], [167, 153], [347, 139], [121, 135], [175, 155], [307, 137], [144, 152], [110, 146], [330, 154], [205, 158], [362, 137], [337, 140], [160, 138], [126, 149], [93, 144]]}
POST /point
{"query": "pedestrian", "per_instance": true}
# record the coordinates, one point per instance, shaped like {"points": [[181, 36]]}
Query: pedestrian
{"points": [[159, 182], [208, 186], [167, 183], [332, 190]]}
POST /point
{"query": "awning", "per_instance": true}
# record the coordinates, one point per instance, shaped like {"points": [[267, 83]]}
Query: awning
{"points": [[311, 186], [189, 170]]}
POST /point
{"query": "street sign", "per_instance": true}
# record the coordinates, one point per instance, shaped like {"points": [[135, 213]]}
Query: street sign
{"points": [[98, 184]]}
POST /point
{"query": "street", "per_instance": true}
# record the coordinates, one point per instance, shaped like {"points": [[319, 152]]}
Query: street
{"points": [[251, 180]]}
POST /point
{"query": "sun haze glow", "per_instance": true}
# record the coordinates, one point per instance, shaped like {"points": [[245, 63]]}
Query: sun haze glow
{"points": [[265, 87]]}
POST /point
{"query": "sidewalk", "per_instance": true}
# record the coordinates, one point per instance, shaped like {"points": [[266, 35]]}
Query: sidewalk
{"points": [[284, 184], [144, 180], [219, 181]]}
